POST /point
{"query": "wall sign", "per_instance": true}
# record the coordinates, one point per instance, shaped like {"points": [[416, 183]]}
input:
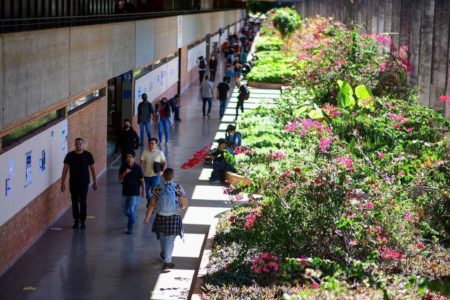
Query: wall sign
{"points": [[30, 168], [28, 158]]}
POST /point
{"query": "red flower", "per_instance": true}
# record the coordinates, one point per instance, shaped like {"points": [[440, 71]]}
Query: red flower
{"points": [[198, 157], [444, 99]]}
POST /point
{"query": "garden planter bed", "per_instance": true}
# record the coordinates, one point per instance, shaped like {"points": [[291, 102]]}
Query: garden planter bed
{"points": [[352, 180], [265, 85], [235, 179]]}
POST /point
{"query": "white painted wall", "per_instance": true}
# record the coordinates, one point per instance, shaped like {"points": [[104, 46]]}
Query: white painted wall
{"points": [[194, 53], [157, 81], [13, 168]]}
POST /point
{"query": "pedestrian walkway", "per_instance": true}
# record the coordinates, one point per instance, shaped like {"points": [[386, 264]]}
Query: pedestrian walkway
{"points": [[104, 263]]}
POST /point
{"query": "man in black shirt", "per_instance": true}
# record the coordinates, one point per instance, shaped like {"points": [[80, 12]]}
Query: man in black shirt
{"points": [[145, 114], [128, 140], [223, 89], [78, 163], [132, 179]]}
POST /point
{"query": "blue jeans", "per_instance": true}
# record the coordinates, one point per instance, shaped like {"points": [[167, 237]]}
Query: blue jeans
{"points": [[223, 104], [209, 100], [164, 123], [145, 126], [176, 111], [150, 184], [167, 244], [129, 208]]}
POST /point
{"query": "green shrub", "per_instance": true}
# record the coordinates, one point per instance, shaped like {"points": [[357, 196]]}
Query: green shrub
{"points": [[286, 20]]}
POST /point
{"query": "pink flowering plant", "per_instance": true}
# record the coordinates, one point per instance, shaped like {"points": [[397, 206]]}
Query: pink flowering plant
{"points": [[350, 185]]}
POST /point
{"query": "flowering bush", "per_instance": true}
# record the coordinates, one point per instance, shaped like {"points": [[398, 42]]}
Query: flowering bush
{"points": [[346, 171]]}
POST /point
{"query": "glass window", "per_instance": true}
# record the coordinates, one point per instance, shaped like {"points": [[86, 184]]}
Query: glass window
{"points": [[30, 129], [77, 104]]}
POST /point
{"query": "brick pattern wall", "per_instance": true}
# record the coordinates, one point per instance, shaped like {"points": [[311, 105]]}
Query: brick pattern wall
{"points": [[90, 123], [187, 78], [21, 231]]}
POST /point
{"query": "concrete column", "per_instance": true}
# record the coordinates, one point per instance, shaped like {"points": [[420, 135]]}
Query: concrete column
{"points": [[440, 61]]}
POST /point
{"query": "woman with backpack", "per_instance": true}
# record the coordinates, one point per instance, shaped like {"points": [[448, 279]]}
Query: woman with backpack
{"points": [[232, 137], [168, 199]]}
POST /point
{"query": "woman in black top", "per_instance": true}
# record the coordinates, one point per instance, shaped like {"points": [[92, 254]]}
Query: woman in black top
{"points": [[212, 68]]}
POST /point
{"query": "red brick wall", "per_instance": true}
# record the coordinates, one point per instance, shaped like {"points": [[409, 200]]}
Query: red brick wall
{"points": [[22, 230], [90, 123]]}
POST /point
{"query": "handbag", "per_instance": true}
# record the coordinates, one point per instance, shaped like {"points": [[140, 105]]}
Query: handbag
{"points": [[157, 167]]}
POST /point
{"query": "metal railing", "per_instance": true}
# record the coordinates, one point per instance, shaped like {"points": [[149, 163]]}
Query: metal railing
{"points": [[16, 25]]}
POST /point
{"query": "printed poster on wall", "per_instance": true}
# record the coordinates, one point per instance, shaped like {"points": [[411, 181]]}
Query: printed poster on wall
{"points": [[64, 138], [11, 168], [28, 179], [41, 164], [8, 189]]}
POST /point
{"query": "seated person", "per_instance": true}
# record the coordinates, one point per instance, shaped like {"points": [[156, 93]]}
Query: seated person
{"points": [[233, 138], [220, 164], [246, 67]]}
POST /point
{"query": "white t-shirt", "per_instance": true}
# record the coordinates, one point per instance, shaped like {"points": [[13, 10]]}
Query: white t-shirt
{"points": [[149, 158]]}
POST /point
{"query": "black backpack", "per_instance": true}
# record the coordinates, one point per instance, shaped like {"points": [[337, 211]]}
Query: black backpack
{"points": [[202, 64], [245, 92]]}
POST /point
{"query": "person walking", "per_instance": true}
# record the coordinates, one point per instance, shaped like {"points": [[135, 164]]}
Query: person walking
{"points": [[223, 88], [168, 199], [145, 114], [212, 68], [78, 163], [229, 72], [206, 92], [153, 162], [163, 113], [201, 68], [237, 72], [175, 105], [244, 94], [128, 140], [132, 179]]}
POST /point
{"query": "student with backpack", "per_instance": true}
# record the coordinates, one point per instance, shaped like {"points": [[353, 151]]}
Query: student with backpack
{"points": [[233, 137], [244, 94], [168, 199], [201, 68]]}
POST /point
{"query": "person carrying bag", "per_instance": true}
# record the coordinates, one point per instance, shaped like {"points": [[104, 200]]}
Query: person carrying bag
{"points": [[168, 200]]}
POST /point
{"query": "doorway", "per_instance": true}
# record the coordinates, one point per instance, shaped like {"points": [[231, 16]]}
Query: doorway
{"points": [[119, 108]]}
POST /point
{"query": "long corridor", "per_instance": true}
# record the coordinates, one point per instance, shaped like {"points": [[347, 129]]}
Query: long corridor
{"points": [[104, 263]]}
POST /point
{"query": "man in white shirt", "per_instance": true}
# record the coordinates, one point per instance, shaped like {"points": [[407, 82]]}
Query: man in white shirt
{"points": [[153, 162]]}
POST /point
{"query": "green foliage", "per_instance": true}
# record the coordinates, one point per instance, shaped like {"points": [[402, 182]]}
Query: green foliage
{"points": [[269, 44], [286, 20], [271, 67]]}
